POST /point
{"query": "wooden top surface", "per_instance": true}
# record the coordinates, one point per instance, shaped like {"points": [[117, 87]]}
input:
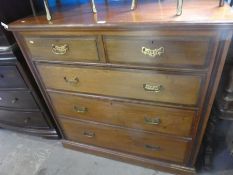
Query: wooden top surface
{"points": [[118, 14]]}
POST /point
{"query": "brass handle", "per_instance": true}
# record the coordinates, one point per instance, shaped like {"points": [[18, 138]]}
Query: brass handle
{"points": [[153, 52], [14, 100], [89, 134], [60, 50], [152, 148], [153, 88], [80, 109], [152, 121], [72, 81]]}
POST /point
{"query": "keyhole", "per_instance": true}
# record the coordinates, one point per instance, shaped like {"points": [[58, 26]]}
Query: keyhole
{"points": [[1, 76], [152, 42]]}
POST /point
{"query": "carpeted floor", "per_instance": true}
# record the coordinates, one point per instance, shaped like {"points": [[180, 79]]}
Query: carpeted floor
{"points": [[28, 155]]}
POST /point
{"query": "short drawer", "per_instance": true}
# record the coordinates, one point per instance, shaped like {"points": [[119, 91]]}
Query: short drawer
{"points": [[129, 141], [11, 78], [168, 51], [143, 117], [135, 84], [63, 48], [23, 119], [17, 99]]}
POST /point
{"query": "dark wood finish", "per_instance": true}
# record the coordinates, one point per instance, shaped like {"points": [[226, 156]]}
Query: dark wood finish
{"points": [[121, 80], [23, 119], [22, 106], [125, 140], [18, 99], [166, 120], [11, 78], [181, 89]]}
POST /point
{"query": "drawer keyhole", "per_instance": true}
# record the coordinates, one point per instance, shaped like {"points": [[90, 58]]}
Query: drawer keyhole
{"points": [[1, 76], [27, 120], [14, 100]]}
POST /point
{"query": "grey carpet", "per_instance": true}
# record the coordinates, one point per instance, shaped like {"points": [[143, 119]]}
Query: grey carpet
{"points": [[28, 155]]}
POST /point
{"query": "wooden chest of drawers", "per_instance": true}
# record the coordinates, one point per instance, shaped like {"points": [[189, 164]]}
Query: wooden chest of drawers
{"points": [[21, 108], [135, 91]]}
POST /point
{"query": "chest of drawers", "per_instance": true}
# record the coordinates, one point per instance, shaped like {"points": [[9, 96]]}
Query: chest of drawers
{"points": [[136, 89], [21, 108]]}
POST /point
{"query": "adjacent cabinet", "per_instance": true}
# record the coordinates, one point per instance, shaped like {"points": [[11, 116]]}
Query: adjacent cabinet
{"points": [[137, 88], [21, 106]]}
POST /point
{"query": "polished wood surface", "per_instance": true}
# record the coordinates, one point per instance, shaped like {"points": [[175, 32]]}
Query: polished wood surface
{"points": [[79, 48], [177, 50], [127, 83], [182, 89], [166, 120], [204, 13], [125, 140]]}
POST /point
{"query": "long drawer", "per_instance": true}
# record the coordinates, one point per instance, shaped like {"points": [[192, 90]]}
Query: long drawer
{"points": [[139, 143], [11, 78], [23, 119], [164, 50], [142, 117], [63, 48], [134, 84], [17, 99]]}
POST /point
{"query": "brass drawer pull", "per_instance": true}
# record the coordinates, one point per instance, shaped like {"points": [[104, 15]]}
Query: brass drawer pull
{"points": [[89, 134], [71, 81], [152, 121], [152, 148], [154, 52], [80, 109], [14, 100], [60, 50], [153, 88]]}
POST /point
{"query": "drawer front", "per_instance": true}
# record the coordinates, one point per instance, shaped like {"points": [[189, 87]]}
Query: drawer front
{"points": [[146, 85], [10, 78], [142, 117], [168, 51], [59, 48], [23, 119], [149, 145], [17, 99]]}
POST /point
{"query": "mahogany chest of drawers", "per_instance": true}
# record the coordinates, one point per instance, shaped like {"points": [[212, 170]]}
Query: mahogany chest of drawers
{"points": [[134, 86]]}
